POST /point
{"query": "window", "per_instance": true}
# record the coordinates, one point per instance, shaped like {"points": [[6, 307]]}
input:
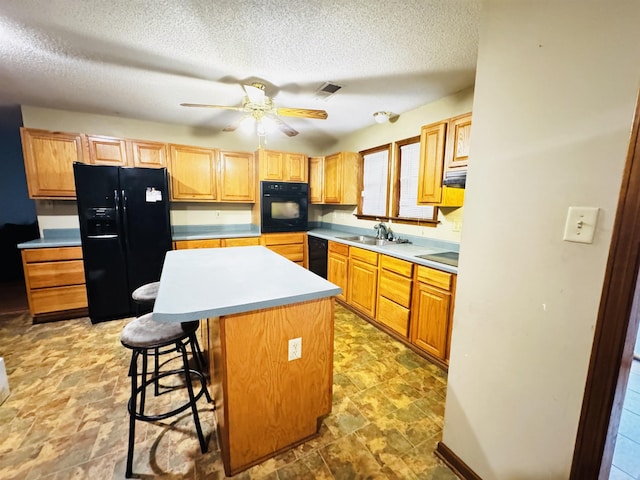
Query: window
{"points": [[389, 185], [375, 182], [406, 184]]}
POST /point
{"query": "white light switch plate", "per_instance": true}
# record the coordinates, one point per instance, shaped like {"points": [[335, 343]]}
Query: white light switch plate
{"points": [[581, 224]]}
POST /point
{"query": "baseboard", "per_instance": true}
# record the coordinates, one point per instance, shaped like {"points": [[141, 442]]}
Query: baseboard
{"points": [[454, 462]]}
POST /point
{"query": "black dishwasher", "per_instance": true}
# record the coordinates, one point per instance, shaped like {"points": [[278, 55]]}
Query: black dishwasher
{"points": [[318, 256]]}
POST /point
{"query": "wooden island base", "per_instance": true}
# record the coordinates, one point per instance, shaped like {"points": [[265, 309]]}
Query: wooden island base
{"points": [[266, 404]]}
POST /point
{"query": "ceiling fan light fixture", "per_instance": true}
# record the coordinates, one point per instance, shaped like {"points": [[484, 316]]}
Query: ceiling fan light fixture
{"points": [[269, 125], [247, 125], [382, 117]]}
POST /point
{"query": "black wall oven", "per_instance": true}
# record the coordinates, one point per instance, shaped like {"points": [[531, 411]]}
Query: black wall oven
{"points": [[284, 207]]}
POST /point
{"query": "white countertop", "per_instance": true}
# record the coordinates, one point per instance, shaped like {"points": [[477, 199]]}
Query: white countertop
{"points": [[210, 282]]}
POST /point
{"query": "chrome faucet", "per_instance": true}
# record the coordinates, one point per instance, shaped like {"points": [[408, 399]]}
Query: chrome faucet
{"points": [[383, 231]]}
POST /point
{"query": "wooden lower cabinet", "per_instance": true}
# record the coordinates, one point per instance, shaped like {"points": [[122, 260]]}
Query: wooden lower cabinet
{"points": [[264, 404], [338, 266], [55, 283], [363, 280], [411, 302], [240, 242], [216, 243], [290, 245], [432, 311], [394, 294], [204, 243]]}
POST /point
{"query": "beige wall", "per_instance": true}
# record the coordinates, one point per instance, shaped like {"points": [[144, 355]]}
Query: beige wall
{"points": [[555, 93], [62, 214]]}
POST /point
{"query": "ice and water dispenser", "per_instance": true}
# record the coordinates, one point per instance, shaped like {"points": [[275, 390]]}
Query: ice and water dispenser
{"points": [[101, 222]]}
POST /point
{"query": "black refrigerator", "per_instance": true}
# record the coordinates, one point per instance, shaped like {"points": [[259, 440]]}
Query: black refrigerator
{"points": [[125, 230]]}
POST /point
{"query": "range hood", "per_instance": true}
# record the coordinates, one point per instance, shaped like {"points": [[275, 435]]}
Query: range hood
{"points": [[455, 179]]}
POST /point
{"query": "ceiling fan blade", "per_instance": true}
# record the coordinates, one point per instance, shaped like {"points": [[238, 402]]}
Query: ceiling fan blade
{"points": [[302, 112], [232, 127], [255, 94], [284, 128], [238, 109]]}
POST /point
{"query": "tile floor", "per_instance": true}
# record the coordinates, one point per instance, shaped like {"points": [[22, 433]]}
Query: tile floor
{"points": [[626, 456], [66, 416]]}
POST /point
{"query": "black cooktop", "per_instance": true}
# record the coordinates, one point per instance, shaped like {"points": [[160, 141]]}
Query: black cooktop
{"points": [[448, 258]]}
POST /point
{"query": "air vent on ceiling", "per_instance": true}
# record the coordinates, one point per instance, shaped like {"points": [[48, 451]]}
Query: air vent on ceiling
{"points": [[327, 89]]}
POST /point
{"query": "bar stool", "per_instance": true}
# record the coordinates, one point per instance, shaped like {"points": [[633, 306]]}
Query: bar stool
{"points": [[146, 294], [145, 297], [144, 335]]}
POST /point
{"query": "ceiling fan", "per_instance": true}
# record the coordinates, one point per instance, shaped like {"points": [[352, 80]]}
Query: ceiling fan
{"points": [[257, 105]]}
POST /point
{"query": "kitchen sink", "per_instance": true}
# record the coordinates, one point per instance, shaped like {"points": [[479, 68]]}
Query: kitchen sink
{"points": [[366, 240]]}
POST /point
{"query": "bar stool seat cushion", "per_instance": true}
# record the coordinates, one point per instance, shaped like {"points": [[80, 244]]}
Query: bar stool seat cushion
{"points": [[145, 332], [146, 293]]}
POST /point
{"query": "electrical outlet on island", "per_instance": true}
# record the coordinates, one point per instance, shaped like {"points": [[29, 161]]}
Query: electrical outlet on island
{"points": [[295, 348]]}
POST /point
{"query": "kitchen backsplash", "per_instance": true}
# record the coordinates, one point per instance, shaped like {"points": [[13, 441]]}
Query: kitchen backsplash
{"points": [[57, 214]]}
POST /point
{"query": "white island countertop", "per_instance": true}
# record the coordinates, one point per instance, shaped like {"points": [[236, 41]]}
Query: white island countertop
{"points": [[211, 282]]}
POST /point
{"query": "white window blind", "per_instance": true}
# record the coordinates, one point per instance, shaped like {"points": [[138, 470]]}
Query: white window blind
{"points": [[409, 166], [374, 191]]}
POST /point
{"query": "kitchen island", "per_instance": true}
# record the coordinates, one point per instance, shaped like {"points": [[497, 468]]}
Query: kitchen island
{"points": [[254, 302]]}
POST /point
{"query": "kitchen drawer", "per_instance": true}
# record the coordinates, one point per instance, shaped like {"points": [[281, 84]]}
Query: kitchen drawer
{"points": [[401, 267], [283, 238], [47, 300], [363, 255], [33, 255], [294, 253], [55, 274], [339, 248], [393, 316], [435, 277], [395, 287], [205, 243], [240, 242]]}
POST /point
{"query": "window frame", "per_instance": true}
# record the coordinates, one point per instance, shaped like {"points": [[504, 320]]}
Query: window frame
{"points": [[395, 206], [393, 186], [362, 153]]}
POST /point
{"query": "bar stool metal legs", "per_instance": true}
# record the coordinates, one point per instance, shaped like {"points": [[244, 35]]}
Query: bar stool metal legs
{"points": [[145, 336]]}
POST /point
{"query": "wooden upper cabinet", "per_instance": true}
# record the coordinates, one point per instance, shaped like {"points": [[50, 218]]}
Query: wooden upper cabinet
{"points": [[237, 177], [193, 173], [458, 142], [430, 172], [48, 160], [148, 154], [316, 179], [271, 165], [122, 153], [282, 166], [107, 151], [341, 178], [296, 167]]}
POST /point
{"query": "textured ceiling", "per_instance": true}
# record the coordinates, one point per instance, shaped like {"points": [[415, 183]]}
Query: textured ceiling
{"points": [[142, 58]]}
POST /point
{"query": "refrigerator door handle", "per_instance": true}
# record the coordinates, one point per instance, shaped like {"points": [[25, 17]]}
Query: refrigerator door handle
{"points": [[121, 211], [125, 220], [116, 201], [102, 236]]}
